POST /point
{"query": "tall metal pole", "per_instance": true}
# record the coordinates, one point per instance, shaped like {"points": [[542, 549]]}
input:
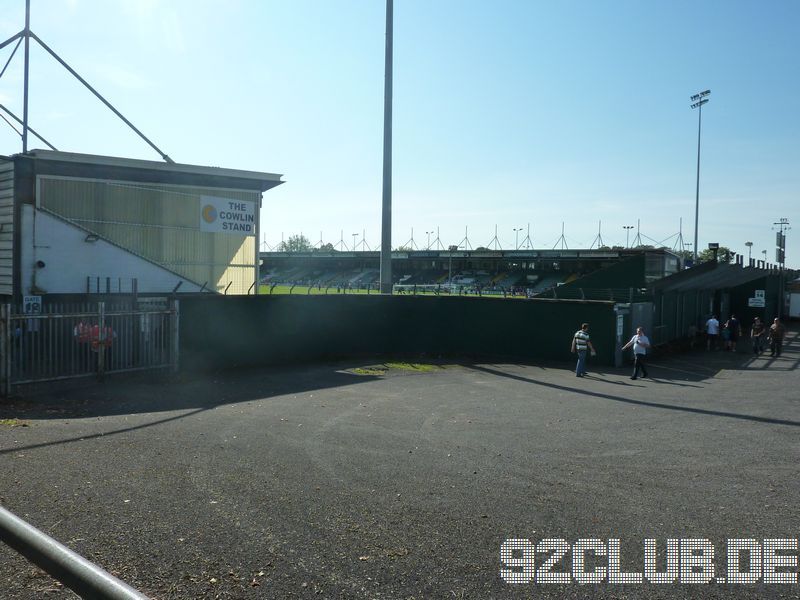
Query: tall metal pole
{"points": [[697, 191], [386, 224], [698, 101], [782, 224], [25, 84]]}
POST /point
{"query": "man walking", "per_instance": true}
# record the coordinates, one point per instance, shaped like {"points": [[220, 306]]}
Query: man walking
{"points": [[734, 332], [756, 333], [775, 338], [712, 332], [580, 343], [640, 343]]}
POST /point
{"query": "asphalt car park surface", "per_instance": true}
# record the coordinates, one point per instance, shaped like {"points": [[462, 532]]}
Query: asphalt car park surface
{"points": [[354, 480]]}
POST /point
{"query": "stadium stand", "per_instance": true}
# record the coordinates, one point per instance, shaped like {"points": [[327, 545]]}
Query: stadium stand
{"points": [[529, 272]]}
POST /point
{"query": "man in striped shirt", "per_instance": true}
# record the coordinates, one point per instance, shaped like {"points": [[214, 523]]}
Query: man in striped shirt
{"points": [[580, 344]]}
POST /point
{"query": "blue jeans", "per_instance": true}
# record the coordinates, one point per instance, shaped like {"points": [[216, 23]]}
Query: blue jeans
{"points": [[580, 368]]}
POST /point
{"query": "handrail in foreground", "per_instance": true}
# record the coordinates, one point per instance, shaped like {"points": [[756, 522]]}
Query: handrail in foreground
{"points": [[80, 575]]}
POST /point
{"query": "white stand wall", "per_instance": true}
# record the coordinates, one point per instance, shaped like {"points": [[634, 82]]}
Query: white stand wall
{"points": [[69, 259]]}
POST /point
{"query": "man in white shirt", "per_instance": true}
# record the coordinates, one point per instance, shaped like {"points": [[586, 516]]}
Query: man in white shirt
{"points": [[640, 343], [712, 332]]}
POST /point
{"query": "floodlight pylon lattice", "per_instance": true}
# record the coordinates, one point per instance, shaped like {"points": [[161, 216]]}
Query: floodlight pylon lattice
{"points": [[494, 240], [679, 245], [637, 241], [437, 243], [341, 246], [364, 245], [465, 242], [25, 36], [562, 240], [411, 244], [599, 237], [527, 243]]}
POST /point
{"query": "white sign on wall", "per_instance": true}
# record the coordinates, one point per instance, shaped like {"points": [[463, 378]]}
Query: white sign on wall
{"points": [[222, 215], [759, 294]]}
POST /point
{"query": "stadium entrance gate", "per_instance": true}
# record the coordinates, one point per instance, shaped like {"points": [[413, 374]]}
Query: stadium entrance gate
{"points": [[51, 342]]}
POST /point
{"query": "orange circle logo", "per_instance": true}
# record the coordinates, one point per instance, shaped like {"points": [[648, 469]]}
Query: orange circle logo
{"points": [[209, 213]]}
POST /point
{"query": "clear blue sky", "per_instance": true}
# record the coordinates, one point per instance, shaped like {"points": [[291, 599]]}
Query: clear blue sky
{"points": [[505, 113]]}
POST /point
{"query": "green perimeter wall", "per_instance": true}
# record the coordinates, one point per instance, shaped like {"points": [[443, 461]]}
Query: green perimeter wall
{"points": [[220, 332]]}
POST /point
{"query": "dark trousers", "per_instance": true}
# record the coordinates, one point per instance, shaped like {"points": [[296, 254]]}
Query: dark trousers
{"points": [[775, 346], [639, 364]]}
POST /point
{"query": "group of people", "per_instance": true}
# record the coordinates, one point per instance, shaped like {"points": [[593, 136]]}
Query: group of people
{"points": [[581, 344], [731, 331]]}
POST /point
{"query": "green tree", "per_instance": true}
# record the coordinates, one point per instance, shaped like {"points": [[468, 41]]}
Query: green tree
{"points": [[295, 243], [724, 255]]}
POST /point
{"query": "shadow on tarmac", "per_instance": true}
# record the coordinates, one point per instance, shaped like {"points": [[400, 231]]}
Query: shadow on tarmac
{"points": [[661, 405], [186, 391], [699, 364], [189, 393], [195, 394]]}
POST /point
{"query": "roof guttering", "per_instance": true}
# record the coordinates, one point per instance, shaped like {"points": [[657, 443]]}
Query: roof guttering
{"points": [[265, 180]]}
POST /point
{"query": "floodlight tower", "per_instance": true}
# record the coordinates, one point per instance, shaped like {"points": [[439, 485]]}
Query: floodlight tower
{"points": [[697, 102], [627, 229]]}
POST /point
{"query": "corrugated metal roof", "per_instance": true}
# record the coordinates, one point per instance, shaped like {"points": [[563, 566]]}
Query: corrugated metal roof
{"points": [[720, 277]]}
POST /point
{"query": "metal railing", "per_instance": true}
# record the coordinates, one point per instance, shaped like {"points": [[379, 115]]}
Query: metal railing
{"points": [[609, 294], [83, 577], [68, 341]]}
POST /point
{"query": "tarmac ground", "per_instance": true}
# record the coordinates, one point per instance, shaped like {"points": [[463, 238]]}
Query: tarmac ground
{"points": [[358, 480]]}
